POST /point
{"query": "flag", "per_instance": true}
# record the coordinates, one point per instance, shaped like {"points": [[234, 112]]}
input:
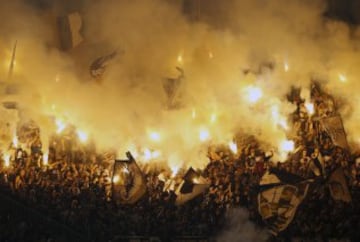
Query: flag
{"points": [[278, 205], [12, 62], [335, 128], [338, 186], [171, 87], [70, 30], [128, 182], [98, 66], [192, 185]]}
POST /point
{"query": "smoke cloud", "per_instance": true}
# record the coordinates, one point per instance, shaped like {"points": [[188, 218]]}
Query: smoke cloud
{"points": [[152, 38], [241, 229]]}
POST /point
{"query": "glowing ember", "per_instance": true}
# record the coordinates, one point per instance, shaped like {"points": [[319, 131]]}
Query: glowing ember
{"points": [[310, 108], [82, 135], [253, 94], [287, 146], [180, 58], [233, 147], [204, 134], [116, 179], [7, 160], [342, 78], [286, 67], [61, 125], [45, 159], [154, 136]]}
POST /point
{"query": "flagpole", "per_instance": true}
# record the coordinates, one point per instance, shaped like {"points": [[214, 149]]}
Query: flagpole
{"points": [[12, 63]]}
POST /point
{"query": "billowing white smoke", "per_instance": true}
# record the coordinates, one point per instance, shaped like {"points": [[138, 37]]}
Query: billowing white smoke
{"points": [[128, 106]]}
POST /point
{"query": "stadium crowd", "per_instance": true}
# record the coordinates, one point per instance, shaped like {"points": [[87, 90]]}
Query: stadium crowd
{"points": [[73, 192]]}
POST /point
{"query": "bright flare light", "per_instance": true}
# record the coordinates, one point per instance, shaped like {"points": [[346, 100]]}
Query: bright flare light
{"points": [[287, 146], [180, 58], [7, 160], [278, 119], [233, 147], [286, 67], [60, 125], [15, 141], [211, 55], [45, 158], [150, 155], [253, 94], [342, 77], [116, 179], [204, 134], [310, 108], [174, 170], [154, 136], [82, 135]]}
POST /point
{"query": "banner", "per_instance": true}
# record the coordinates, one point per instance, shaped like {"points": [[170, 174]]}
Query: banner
{"points": [[335, 128], [70, 28], [278, 205], [98, 66], [172, 89], [128, 183], [338, 186], [193, 184]]}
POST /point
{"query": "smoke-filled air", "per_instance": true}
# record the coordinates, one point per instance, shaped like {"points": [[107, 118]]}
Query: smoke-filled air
{"points": [[233, 79]]}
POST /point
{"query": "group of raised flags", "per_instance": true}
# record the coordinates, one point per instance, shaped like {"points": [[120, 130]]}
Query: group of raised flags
{"points": [[129, 184]]}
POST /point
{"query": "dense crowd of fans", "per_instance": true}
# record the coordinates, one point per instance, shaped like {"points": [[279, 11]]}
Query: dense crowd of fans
{"points": [[73, 192]]}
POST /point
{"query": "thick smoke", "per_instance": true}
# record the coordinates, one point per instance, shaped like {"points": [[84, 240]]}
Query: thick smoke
{"points": [[152, 38]]}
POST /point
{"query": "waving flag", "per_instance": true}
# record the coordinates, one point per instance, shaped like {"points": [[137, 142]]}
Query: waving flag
{"points": [[128, 183]]}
